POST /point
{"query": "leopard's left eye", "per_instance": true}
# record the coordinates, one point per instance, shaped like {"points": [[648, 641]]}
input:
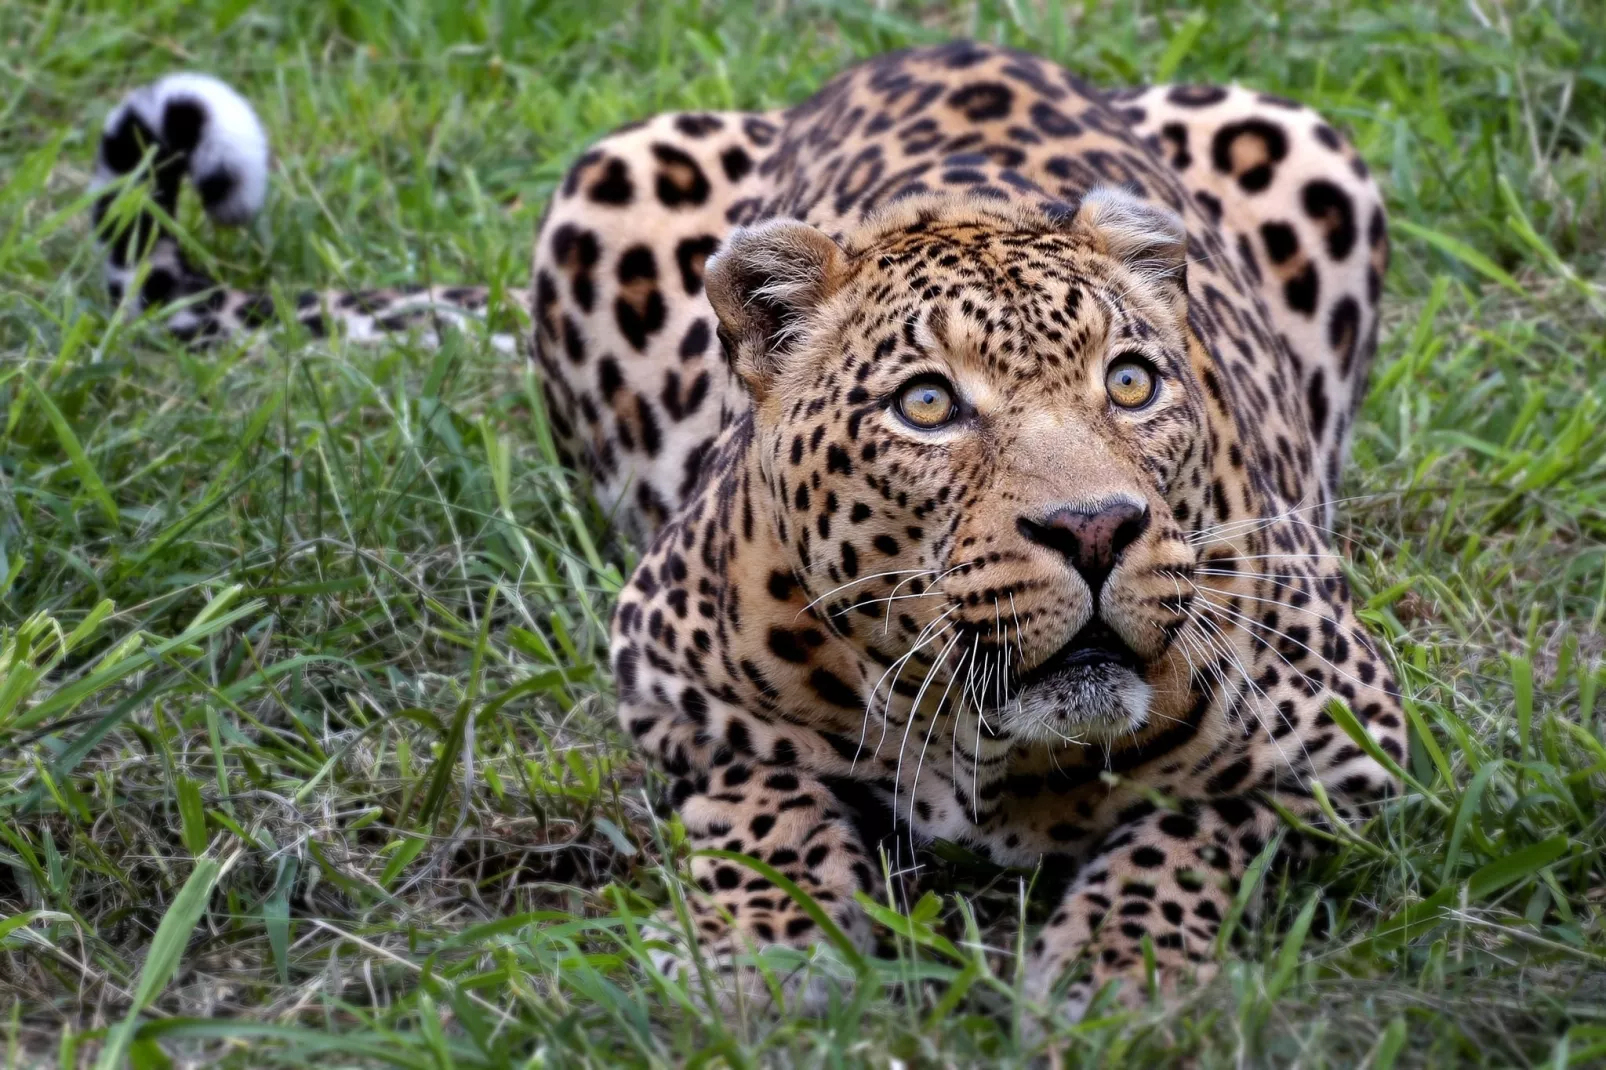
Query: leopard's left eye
{"points": [[1131, 382], [927, 403]]}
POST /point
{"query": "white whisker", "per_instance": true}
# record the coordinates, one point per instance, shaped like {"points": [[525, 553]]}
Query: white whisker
{"points": [[936, 579], [862, 579], [1266, 601], [897, 776], [1224, 647], [921, 640], [1253, 623]]}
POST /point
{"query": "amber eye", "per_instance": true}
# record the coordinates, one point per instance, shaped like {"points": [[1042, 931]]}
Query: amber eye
{"points": [[1130, 382], [927, 403]]}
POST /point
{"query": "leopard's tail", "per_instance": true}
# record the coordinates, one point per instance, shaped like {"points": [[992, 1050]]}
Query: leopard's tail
{"points": [[197, 126]]}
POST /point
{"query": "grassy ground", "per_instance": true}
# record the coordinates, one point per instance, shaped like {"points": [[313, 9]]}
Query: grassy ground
{"points": [[306, 746]]}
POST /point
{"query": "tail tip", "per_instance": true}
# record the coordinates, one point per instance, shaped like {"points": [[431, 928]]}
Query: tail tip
{"points": [[204, 121]]}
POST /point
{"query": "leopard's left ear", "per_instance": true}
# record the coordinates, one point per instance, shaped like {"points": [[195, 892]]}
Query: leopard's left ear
{"points": [[763, 285], [1148, 238]]}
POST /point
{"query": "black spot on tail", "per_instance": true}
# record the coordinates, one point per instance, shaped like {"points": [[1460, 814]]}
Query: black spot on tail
{"points": [[124, 145], [256, 311], [183, 124], [216, 186]]}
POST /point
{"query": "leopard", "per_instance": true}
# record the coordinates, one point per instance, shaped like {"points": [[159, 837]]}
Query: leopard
{"points": [[979, 433]]}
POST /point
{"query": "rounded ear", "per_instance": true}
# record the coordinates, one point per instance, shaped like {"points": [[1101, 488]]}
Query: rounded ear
{"points": [[762, 284], [1148, 238]]}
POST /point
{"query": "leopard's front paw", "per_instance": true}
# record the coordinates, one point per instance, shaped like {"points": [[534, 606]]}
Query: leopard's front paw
{"points": [[768, 957], [1131, 984], [1113, 955]]}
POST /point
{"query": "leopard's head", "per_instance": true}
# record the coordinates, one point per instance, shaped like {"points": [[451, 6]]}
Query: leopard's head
{"points": [[984, 439]]}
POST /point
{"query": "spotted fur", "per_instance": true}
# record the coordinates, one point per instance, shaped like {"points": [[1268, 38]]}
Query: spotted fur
{"points": [[1053, 629]]}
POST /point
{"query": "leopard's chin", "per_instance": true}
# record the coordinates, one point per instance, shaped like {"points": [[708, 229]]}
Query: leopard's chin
{"points": [[1089, 691], [1082, 704]]}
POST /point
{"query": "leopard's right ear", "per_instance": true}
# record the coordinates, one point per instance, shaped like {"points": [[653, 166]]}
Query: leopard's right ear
{"points": [[764, 284]]}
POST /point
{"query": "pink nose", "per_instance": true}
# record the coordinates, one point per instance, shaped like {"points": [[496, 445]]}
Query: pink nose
{"points": [[1090, 539]]}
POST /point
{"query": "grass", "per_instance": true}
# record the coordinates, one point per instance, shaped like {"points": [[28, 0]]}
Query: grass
{"points": [[306, 742]]}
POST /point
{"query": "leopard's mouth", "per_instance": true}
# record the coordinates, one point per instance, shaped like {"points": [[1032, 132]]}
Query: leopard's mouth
{"points": [[1096, 646], [1091, 690]]}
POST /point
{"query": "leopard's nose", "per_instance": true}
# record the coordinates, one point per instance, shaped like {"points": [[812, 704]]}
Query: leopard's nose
{"points": [[1091, 538]]}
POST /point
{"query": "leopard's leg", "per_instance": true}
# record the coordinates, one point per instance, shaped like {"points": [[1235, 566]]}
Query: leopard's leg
{"points": [[636, 386], [794, 823], [195, 126], [1305, 227], [739, 786], [1169, 876]]}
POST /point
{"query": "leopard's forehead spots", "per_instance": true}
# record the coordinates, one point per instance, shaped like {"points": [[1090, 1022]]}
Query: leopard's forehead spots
{"points": [[1014, 317]]}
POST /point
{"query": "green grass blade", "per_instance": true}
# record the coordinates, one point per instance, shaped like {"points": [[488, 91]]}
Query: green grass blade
{"points": [[162, 959], [192, 815], [1182, 39], [75, 452], [1459, 250]]}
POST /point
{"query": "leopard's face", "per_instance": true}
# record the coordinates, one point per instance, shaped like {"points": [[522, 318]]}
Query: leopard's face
{"points": [[981, 449]]}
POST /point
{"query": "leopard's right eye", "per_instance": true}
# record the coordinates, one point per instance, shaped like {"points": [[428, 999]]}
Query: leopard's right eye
{"points": [[1131, 382]]}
